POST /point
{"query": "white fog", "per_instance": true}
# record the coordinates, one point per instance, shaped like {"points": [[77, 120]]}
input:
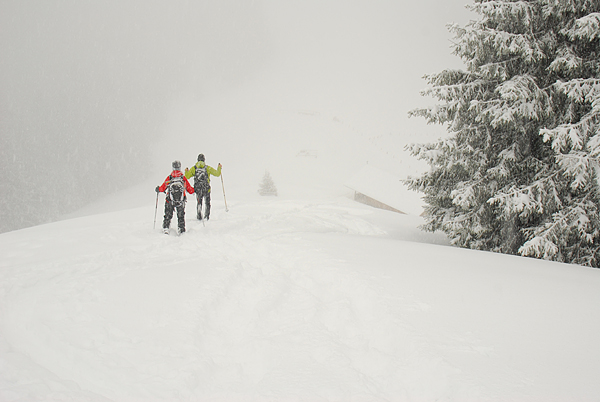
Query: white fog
{"points": [[99, 96]]}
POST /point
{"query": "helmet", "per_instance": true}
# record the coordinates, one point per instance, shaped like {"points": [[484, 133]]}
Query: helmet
{"points": [[176, 165], [201, 157]]}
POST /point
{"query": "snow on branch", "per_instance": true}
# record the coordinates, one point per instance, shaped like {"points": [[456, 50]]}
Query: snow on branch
{"points": [[539, 247], [520, 98], [438, 114], [586, 28], [456, 88], [465, 194], [521, 201], [580, 90], [548, 240], [566, 60], [432, 153], [477, 42], [561, 8], [519, 44], [594, 146], [575, 136], [507, 159], [519, 87], [528, 200], [497, 70], [504, 11], [457, 91], [577, 166]]}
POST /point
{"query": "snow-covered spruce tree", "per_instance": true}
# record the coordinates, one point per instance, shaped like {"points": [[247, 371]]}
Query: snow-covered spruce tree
{"points": [[267, 186], [518, 171]]}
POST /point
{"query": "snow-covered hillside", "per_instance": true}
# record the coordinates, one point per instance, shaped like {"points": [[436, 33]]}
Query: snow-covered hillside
{"points": [[286, 299]]}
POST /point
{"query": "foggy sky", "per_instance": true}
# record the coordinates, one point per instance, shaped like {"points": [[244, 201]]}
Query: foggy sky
{"points": [[87, 86]]}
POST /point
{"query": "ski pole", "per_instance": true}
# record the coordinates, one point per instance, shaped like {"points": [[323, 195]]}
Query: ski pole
{"points": [[155, 209], [224, 198]]}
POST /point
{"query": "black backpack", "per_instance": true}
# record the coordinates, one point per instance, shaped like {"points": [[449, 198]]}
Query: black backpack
{"points": [[201, 179], [176, 189]]}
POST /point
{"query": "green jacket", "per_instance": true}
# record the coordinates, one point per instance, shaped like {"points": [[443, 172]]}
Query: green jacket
{"points": [[189, 173]]}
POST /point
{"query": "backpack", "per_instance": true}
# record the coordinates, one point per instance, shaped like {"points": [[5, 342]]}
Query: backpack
{"points": [[201, 179], [176, 189]]}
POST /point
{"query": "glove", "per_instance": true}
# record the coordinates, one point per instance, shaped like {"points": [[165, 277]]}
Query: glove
{"points": [[157, 190]]}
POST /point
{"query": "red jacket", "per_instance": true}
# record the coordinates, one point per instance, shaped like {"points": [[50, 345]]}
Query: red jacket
{"points": [[176, 173]]}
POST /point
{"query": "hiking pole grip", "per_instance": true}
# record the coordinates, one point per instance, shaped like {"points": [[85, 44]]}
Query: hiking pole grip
{"points": [[224, 198]]}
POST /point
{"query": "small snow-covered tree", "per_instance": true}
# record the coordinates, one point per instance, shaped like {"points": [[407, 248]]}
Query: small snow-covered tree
{"points": [[518, 172], [267, 186]]}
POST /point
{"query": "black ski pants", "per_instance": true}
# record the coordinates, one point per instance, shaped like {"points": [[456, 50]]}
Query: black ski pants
{"points": [[170, 207], [200, 196]]}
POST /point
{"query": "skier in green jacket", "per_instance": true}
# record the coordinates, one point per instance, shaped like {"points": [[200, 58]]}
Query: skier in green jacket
{"points": [[201, 173]]}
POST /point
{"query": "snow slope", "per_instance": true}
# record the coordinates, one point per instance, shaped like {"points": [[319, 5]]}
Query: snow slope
{"points": [[286, 299]]}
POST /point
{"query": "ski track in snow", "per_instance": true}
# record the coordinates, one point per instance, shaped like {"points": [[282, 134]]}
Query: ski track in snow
{"points": [[283, 300]]}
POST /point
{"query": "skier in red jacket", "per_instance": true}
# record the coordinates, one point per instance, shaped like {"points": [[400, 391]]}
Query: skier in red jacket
{"points": [[175, 186]]}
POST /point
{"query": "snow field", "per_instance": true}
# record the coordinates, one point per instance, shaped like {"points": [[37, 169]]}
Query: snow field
{"points": [[286, 300]]}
